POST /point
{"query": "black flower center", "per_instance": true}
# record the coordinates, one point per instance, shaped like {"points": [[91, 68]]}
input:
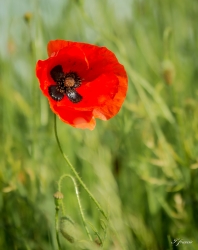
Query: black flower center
{"points": [[66, 84]]}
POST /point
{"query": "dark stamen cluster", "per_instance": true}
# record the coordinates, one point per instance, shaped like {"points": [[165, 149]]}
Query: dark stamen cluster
{"points": [[66, 84]]}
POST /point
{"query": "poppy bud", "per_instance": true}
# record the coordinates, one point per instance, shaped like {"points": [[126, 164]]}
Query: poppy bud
{"points": [[168, 72], [27, 17], [98, 241], [58, 196], [68, 229]]}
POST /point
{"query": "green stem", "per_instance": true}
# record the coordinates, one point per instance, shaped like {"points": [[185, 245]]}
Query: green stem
{"points": [[78, 199], [75, 173], [57, 228]]}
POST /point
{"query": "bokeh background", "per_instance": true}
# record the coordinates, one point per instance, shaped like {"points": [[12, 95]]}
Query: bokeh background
{"points": [[142, 165]]}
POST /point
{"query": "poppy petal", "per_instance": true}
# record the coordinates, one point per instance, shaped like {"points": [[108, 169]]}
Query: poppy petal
{"points": [[112, 106], [55, 46], [76, 118]]}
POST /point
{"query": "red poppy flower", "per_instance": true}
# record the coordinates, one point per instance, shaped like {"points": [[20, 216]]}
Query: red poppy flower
{"points": [[82, 82]]}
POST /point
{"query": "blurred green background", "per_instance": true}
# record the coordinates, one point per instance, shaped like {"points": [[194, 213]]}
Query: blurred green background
{"points": [[142, 165]]}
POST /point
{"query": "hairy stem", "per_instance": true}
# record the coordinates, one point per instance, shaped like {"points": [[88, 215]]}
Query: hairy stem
{"points": [[75, 172], [78, 199], [57, 229]]}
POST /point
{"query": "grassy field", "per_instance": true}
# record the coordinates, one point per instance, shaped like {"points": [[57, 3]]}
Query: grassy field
{"points": [[141, 166]]}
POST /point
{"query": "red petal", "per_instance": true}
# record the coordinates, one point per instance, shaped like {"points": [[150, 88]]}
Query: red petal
{"points": [[77, 119], [103, 61], [55, 46], [100, 61], [112, 106]]}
